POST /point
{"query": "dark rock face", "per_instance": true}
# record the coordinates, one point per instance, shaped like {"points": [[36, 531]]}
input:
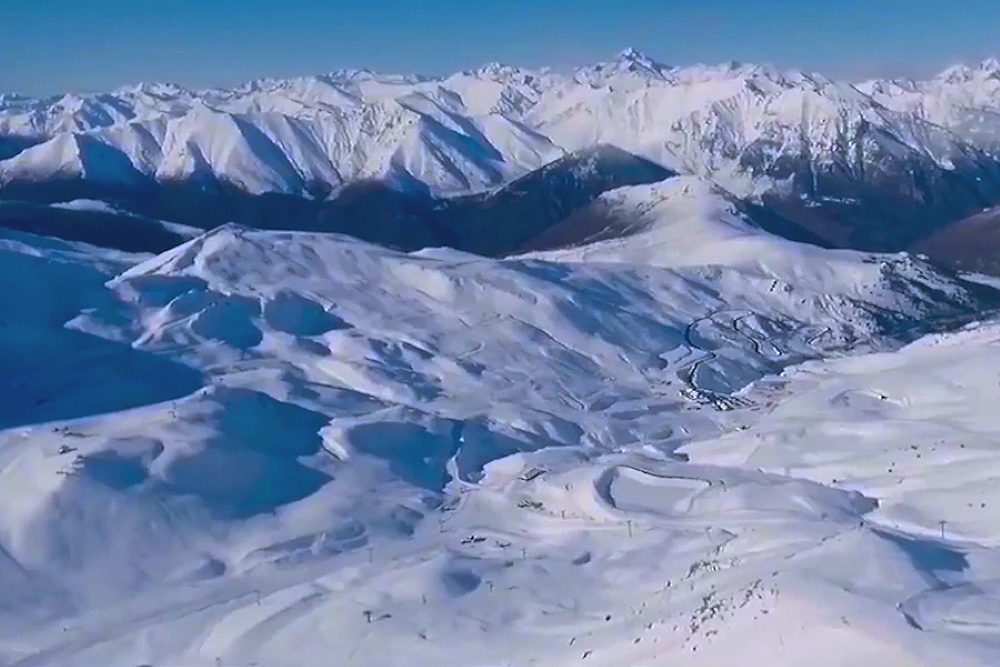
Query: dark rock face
{"points": [[969, 244], [12, 145], [504, 221], [107, 229]]}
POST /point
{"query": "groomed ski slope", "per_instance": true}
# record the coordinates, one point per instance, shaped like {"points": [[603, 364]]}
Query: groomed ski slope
{"points": [[277, 448]]}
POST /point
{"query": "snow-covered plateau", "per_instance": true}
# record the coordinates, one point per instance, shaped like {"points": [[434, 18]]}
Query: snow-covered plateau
{"points": [[605, 368]]}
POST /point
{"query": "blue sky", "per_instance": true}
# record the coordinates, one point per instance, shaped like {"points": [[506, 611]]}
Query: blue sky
{"points": [[48, 46]]}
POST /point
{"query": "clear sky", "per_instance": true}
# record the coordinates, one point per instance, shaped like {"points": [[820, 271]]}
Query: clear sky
{"points": [[48, 46]]}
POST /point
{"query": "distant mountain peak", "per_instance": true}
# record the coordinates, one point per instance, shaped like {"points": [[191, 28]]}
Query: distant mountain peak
{"points": [[494, 70], [164, 88], [350, 75], [987, 69], [629, 61], [634, 60], [634, 55]]}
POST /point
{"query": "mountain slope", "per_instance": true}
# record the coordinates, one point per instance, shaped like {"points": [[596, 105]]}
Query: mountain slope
{"points": [[683, 221], [341, 439], [497, 222], [71, 157], [969, 244]]}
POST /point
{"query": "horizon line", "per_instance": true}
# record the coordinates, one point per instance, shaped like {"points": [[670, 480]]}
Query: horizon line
{"points": [[627, 53]]}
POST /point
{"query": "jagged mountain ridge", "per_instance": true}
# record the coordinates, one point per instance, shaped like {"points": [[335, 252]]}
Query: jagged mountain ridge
{"points": [[876, 165]]}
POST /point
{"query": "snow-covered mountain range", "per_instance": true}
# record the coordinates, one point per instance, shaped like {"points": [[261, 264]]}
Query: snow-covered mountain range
{"points": [[508, 367], [872, 165]]}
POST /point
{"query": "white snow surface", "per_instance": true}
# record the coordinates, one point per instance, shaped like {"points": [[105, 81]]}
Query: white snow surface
{"points": [[478, 129], [682, 221], [280, 448]]}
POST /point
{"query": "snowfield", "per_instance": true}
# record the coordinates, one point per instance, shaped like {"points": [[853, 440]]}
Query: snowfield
{"points": [[698, 444]]}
